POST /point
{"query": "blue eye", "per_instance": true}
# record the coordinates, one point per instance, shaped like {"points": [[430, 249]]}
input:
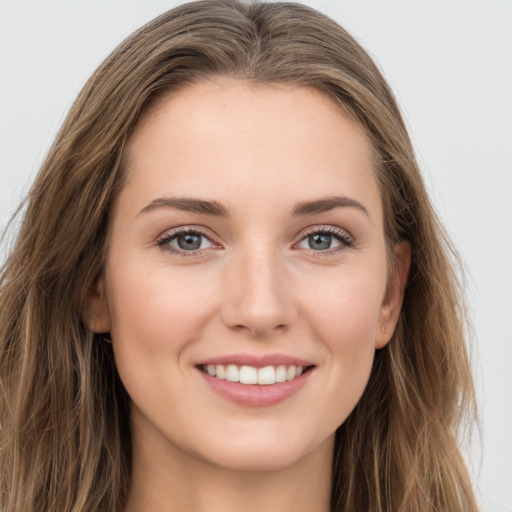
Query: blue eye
{"points": [[325, 240], [320, 241], [185, 241]]}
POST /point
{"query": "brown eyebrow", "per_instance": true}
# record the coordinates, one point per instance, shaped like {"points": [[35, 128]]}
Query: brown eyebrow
{"points": [[326, 204], [217, 209], [188, 205]]}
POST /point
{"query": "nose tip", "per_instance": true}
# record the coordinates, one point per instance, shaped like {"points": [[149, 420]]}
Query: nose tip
{"points": [[258, 329], [258, 299]]}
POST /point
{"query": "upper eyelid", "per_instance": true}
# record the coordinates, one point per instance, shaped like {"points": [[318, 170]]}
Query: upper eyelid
{"points": [[333, 230], [169, 233], [330, 229], [206, 231]]}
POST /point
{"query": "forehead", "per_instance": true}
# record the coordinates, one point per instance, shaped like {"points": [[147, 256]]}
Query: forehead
{"points": [[228, 136]]}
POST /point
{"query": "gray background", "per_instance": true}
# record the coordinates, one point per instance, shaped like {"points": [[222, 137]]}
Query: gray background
{"points": [[450, 64]]}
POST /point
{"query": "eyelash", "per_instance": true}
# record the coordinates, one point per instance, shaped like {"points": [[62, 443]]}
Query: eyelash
{"points": [[164, 241], [346, 241]]}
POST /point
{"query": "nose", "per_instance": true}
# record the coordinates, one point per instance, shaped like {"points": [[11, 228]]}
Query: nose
{"points": [[258, 298]]}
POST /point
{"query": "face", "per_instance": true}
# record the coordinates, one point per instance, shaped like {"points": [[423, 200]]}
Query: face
{"points": [[246, 245]]}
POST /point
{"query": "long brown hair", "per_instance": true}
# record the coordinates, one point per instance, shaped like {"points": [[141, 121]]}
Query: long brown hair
{"points": [[65, 439]]}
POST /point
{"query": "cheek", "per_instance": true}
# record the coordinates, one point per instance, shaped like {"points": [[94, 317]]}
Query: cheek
{"points": [[344, 320], [345, 311], [165, 302], [155, 316], [345, 327]]}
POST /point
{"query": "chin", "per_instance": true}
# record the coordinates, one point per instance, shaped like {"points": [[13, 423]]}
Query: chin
{"points": [[256, 460], [268, 453]]}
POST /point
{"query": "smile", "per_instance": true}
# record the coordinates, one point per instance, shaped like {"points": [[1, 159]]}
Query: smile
{"points": [[251, 375], [256, 381]]}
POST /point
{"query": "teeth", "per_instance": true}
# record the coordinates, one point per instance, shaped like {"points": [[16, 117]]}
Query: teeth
{"points": [[281, 373], [291, 372], [267, 375], [232, 373], [220, 371], [248, 375], [251, 375]]}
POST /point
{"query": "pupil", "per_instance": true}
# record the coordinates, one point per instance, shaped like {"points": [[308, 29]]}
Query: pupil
{"points": [[189, 241], [320, 241]]}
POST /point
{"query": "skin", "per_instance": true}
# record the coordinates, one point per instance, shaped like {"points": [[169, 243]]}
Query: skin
{"points": [[255, 286]]}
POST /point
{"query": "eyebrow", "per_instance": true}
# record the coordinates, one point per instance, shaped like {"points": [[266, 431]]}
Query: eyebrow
{"points": [[217, 209], [326, 204], [187, 205]]}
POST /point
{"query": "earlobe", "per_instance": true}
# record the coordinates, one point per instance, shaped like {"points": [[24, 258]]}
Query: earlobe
{"points": [[392, 304], [97, 314]]}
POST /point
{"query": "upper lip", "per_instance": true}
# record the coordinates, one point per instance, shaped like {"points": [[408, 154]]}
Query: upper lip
{"points": [[257, 361]]}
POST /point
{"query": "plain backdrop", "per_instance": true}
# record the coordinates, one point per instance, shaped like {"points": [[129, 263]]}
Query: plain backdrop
{"points": [[450, 65]]}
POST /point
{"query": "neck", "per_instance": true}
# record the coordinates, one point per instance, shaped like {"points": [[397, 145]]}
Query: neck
{"points": [[171, 480]]}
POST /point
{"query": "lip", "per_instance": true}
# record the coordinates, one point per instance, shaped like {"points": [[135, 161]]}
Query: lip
{"points": [[254, 395], [257, 361]]}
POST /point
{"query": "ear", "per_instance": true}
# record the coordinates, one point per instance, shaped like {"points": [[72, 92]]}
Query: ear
{"points": [[392, 304], [97, 314]]}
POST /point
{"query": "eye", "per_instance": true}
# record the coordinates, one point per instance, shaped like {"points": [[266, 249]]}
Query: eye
{"points": [[185, 241], [326, 240]]}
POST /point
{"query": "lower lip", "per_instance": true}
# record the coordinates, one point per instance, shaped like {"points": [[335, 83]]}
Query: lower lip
{"points": [[255, 395]]}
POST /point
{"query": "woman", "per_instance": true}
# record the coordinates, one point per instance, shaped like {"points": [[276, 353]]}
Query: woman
{"points": [[230, 288]]}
